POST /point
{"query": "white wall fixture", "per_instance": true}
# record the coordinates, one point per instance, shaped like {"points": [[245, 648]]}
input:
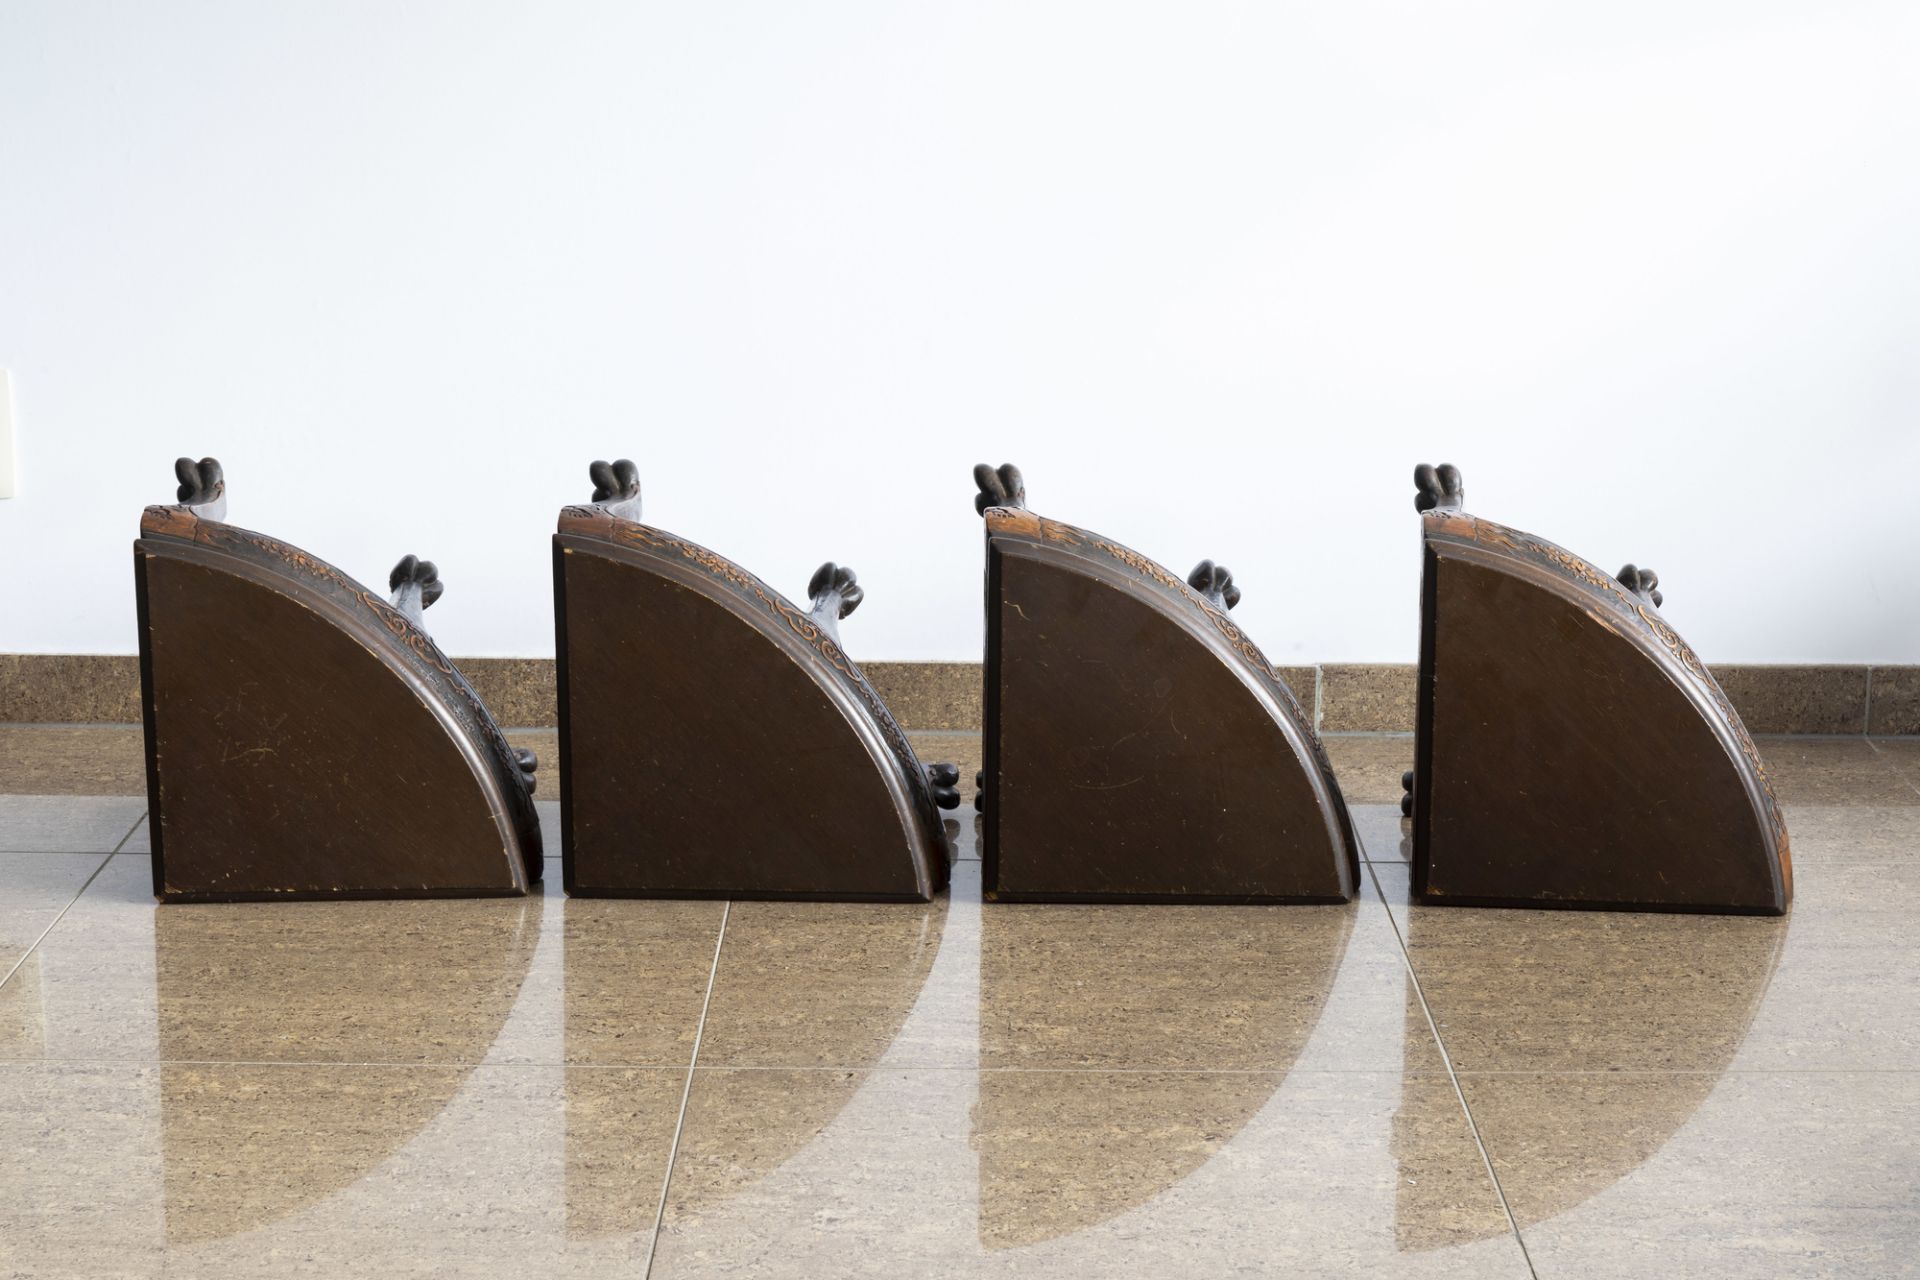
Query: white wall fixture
{"points": [[9, 456]]}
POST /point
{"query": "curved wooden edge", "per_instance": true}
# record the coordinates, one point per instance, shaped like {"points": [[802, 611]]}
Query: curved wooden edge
{"points": [[1207, 622], [797, 632], [1634, 618], [392, 636]]}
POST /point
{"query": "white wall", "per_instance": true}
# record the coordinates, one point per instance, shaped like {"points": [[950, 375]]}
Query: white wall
{"points": [[1215, 275]]}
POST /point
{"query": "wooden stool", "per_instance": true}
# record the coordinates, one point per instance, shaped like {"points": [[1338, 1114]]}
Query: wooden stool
{"points": [[1572, 751], [715, 740], [1139, 747], [305, 738]]}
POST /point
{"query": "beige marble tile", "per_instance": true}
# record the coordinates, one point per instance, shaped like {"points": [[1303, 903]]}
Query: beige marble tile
{"points": [[37, 888], [1826, 771], [1853, 833], [636, 976], [1369, 766], [1196, 988], [67, 824], [1384, 834], [1376, 697], [836, 984], [1073, 1174], [1828, 987], [1624, 1175], [1797, 699], [264, 1171], [1902, 755], [72, 760], [538, 979], [1062, 987], [1515, 990]]}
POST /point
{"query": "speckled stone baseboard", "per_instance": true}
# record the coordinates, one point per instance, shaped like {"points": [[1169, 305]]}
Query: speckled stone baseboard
{"points": [[1367, 697], [1345, 697], [76, 688]]}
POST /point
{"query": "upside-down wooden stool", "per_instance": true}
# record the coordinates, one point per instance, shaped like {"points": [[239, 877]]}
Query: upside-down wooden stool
{"points": [[1571, 749], [1138, 746], [305, 738], [715, 739]]}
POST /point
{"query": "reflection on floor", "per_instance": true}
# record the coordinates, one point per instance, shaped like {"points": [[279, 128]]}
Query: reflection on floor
{"points": [[553, 1087]]}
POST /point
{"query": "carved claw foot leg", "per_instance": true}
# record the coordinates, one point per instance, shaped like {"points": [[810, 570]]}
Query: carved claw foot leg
{"points": [[1644, 583], [1001, 487], [942, 777], [1215, 582], [1440, 488], [835, 593], [415, 584]]}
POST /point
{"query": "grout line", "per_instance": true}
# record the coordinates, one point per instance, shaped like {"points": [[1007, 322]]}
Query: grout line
{"points": [[130, 830], [1894, 768], [105, 859], [680, 1124], [1446, 1058]]}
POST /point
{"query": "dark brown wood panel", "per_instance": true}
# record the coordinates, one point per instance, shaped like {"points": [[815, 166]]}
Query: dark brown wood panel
{"points": [[293, 754], [1572, 751], [1138, 745], [716, 740]]}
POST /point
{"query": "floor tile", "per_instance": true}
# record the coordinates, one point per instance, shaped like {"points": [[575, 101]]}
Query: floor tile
{"points": [[1828, 987], [1384, 835], [636, 976], [1050, 987], [1630, 1175], [1071, 1174], [261, 1171], [38, 887], [1827, 771], [1902, 753], [538, 979], [1146, 988], [141, 840], [66, 824], [964, 833], [72, 760], [841, 984], [1852, 833], [548, 812], [1369, 765]]}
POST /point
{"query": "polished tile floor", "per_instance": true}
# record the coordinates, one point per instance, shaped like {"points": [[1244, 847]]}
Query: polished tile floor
{"points": [[550, 1087]]}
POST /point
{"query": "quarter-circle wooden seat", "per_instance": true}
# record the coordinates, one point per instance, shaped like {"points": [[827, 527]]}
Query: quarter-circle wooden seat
{"points": [[305, 738], [715, 739], [1571, 749], [1138, 745]]}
